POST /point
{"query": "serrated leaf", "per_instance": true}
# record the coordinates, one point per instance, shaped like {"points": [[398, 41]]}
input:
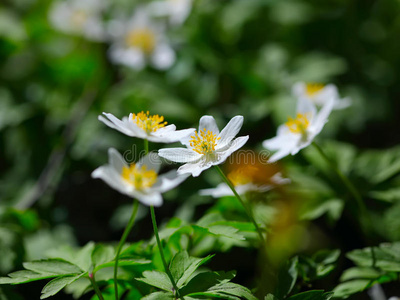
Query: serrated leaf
{"points": [[360, 273], [102, 254], [206, 280], [183, 266], [52, 266], [312, 295], [234, 290], [24, 276], [56, 285], [157, 279], [287, 278]]}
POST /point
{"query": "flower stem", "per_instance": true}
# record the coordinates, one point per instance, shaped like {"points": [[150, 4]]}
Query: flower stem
{"points": [[121, 244], [153, 219], [146, 146], [95, 287], [248, 211], [344, 179]]}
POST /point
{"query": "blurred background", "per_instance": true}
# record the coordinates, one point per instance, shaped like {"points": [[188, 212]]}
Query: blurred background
{"points": [[63, 63]]}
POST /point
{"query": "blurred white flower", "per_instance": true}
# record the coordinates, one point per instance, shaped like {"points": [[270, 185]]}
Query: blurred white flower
{"points": [[176, 11], [319, 94], [146, 126], [139, 41], [242, 186], [377, 293], [79, 17], [298, 133], [139, 180], [207, 147]]}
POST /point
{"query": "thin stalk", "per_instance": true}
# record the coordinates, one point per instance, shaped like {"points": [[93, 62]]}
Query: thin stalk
{"points": [[95, 287], [248, 211], [146, 146], [153, 219], [121, 244]]}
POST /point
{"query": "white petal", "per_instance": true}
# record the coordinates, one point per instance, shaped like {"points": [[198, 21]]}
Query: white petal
{"points": [[180, 155], [299, 90], [130, 57], [112, 178], [305, 106], [236, 144], [342, 103], [150, 199], [163, 57], [194, 168], [152, 162], [221, 190], [117, 124], [322, 116], [230, 131], [280, 141], [173, 136], [116, 161], [278, 155], [169, 180], [208, 123], [278, 179]]}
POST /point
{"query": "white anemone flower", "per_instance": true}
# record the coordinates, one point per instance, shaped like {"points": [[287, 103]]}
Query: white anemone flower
{"points": [[319, 94], [222, 189], [207, 147], [140, 180], [145, 126], [299, 132], [176, 11], [79, 17], [140, 41]]}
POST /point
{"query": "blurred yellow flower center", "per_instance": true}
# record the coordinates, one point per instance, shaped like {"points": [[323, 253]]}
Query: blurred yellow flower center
{"points": [[142, 38], [139, 177], [148, 123], [299, 124], [243, 175], [203, 142], [78, 18], [313, 88]]}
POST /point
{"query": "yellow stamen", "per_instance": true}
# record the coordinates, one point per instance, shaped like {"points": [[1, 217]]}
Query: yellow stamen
{"points": [[142, 38], [243, 175], [298, 125], [205, 142], [147, 122], [313, 88], [139, 177]]}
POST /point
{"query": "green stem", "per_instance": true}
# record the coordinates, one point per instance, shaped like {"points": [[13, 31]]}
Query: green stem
{"points": [[121, 244], [248, 211], [153, 219], [95, 287], [344, 179], [146, 146]]}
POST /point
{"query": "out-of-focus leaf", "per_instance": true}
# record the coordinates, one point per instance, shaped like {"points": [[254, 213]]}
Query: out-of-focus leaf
{"points": [[287, 278], [56, 285], [312, 295], [157, 279]]}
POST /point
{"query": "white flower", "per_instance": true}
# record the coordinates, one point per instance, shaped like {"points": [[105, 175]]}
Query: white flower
{"points": [[80, 17], [377, 293], [208, 147], [140, 40], [319, 94], [177, 11], [223, 189], [145, 126], [140, 180], [298, 133]]}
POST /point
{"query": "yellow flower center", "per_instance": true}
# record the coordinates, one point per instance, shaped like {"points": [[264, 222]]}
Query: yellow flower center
{"points": [[243, 175], [148, 123], [142, 38], [204, 143], [298, 125], [140, 178], [79, 18], [313, 88]]}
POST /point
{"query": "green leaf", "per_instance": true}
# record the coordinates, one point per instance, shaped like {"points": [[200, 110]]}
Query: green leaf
{"points": [[124, 263], [287, 278], [52, 266], [351, 287], [234, 290], [270, 297], [312, 295], [56, 285], [24, 277], [206, 280], [102, 254], [360, 273], [157, 279], [183, 266], [80, 257], [159, 296]]}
